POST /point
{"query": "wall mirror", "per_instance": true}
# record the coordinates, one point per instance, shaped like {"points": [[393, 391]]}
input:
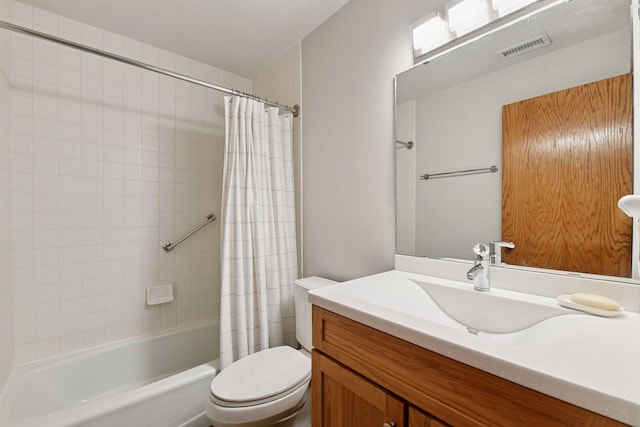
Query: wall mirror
{"points": [[455, 109]]}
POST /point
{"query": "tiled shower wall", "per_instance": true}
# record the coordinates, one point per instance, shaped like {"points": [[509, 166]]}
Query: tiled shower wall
{"points": [[406, 179], [109, 161], [6, 289]]}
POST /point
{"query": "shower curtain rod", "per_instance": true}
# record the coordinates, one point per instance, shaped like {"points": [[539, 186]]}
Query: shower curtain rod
{"points": [[295, 110]]}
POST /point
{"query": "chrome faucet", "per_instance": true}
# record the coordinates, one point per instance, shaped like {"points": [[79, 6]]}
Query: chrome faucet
{"points": [[495, 251], [479, 273]]}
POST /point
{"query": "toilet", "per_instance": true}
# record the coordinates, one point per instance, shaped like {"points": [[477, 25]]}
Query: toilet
{"points": [[271, 385]]}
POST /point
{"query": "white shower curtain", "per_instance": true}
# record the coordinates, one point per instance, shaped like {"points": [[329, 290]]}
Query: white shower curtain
{"points": [[258, 231]]}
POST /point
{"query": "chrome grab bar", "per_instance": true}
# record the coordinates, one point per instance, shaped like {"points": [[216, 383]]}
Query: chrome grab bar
{"points": [[408, 145], [492, 169], [168, 247]]}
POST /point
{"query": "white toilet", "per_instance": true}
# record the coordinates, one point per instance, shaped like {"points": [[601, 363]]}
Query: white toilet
{"points": [[269, 386]]}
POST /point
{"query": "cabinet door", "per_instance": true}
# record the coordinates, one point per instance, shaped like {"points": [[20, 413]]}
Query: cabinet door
{"points": [[417, 418], [342, 398]]}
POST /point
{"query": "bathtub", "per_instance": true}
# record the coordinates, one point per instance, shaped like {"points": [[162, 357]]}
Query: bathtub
{"points": [[159, 380]]}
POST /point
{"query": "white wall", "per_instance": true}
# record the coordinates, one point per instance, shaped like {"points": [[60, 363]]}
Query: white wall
{"points": [[6, 288], [109, 162], [460, 127], [348, 65]]}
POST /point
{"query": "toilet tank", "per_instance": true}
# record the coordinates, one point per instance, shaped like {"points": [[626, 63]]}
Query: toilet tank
{"points": [[303, 308]]}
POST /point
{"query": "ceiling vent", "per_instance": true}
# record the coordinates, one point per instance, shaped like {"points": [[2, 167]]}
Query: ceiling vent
{"points": [[535, 43]]}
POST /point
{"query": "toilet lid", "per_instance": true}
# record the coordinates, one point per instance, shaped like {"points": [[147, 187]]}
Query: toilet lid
{"points": [[261, 376]]}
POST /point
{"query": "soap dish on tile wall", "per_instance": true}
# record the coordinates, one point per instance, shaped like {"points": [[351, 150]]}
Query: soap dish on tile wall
{"points": [[159, 294]]}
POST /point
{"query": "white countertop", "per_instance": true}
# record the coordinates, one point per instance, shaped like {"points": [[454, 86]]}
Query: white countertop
{"points": [[590, 361]]}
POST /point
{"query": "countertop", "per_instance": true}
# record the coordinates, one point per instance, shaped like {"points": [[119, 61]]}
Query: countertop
{"points": [[590, 361]]}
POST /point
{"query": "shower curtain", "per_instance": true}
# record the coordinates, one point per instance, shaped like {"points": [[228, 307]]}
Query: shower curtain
{"points": [[258, 231]]}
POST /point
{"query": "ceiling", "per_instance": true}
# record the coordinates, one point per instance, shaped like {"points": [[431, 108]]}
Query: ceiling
{"points": [[240, 36], [566, 24]]}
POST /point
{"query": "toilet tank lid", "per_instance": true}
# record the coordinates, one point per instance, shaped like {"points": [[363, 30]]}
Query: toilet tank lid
{"points": [[314, 282]]}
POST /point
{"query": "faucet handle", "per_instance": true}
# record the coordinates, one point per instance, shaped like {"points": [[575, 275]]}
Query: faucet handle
{"points": [[495, 245], [495, 251]]}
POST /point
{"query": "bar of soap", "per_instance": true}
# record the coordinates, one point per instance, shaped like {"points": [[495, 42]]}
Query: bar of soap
{"points": [[595, 301]]}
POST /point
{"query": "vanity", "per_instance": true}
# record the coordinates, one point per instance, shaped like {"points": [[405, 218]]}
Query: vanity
{"points": [[386, 354]]}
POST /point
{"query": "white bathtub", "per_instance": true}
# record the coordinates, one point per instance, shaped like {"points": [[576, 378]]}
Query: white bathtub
{"points": [[160, 381]]}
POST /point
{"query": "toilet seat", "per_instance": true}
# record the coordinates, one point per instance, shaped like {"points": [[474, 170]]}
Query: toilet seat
{"points": [[269, 384], [258, 415], [261, 377]]}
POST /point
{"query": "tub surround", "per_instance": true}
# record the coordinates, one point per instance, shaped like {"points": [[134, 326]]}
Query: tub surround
{"points": [[108, 162], [6, 288], [556, 363], [141, 381]]}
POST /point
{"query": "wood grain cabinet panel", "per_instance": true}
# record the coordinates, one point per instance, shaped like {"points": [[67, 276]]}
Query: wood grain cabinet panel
{"points": [[418, 418], [449, 391], [342, 398]]}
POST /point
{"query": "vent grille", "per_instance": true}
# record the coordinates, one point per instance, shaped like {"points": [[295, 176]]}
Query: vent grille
{"points": [[535, 43]]}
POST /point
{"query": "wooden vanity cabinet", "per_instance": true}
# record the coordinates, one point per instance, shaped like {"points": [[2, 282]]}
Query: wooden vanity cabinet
{"points": [[347, 399], [362, 377], [418, 418]]}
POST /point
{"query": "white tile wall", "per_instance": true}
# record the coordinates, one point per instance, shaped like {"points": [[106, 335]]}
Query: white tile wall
{"points": [[6, 289], [109, 162], [406, 178], [281, 82]]}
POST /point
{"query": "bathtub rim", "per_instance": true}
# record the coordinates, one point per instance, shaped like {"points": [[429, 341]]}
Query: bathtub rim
{"points": [[21, 368], [109, 402]]}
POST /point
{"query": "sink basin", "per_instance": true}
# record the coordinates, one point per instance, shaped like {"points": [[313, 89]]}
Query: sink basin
{"points": [[494, 311]]}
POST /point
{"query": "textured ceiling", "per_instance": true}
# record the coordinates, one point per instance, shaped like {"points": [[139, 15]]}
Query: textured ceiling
{"points": [[241, 36]]}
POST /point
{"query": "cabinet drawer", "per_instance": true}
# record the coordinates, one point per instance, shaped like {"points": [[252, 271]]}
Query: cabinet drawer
{"points": [[456, 393]]}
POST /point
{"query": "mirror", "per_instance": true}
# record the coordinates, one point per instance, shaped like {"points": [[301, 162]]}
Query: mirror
{"points": [[450, 107]]}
